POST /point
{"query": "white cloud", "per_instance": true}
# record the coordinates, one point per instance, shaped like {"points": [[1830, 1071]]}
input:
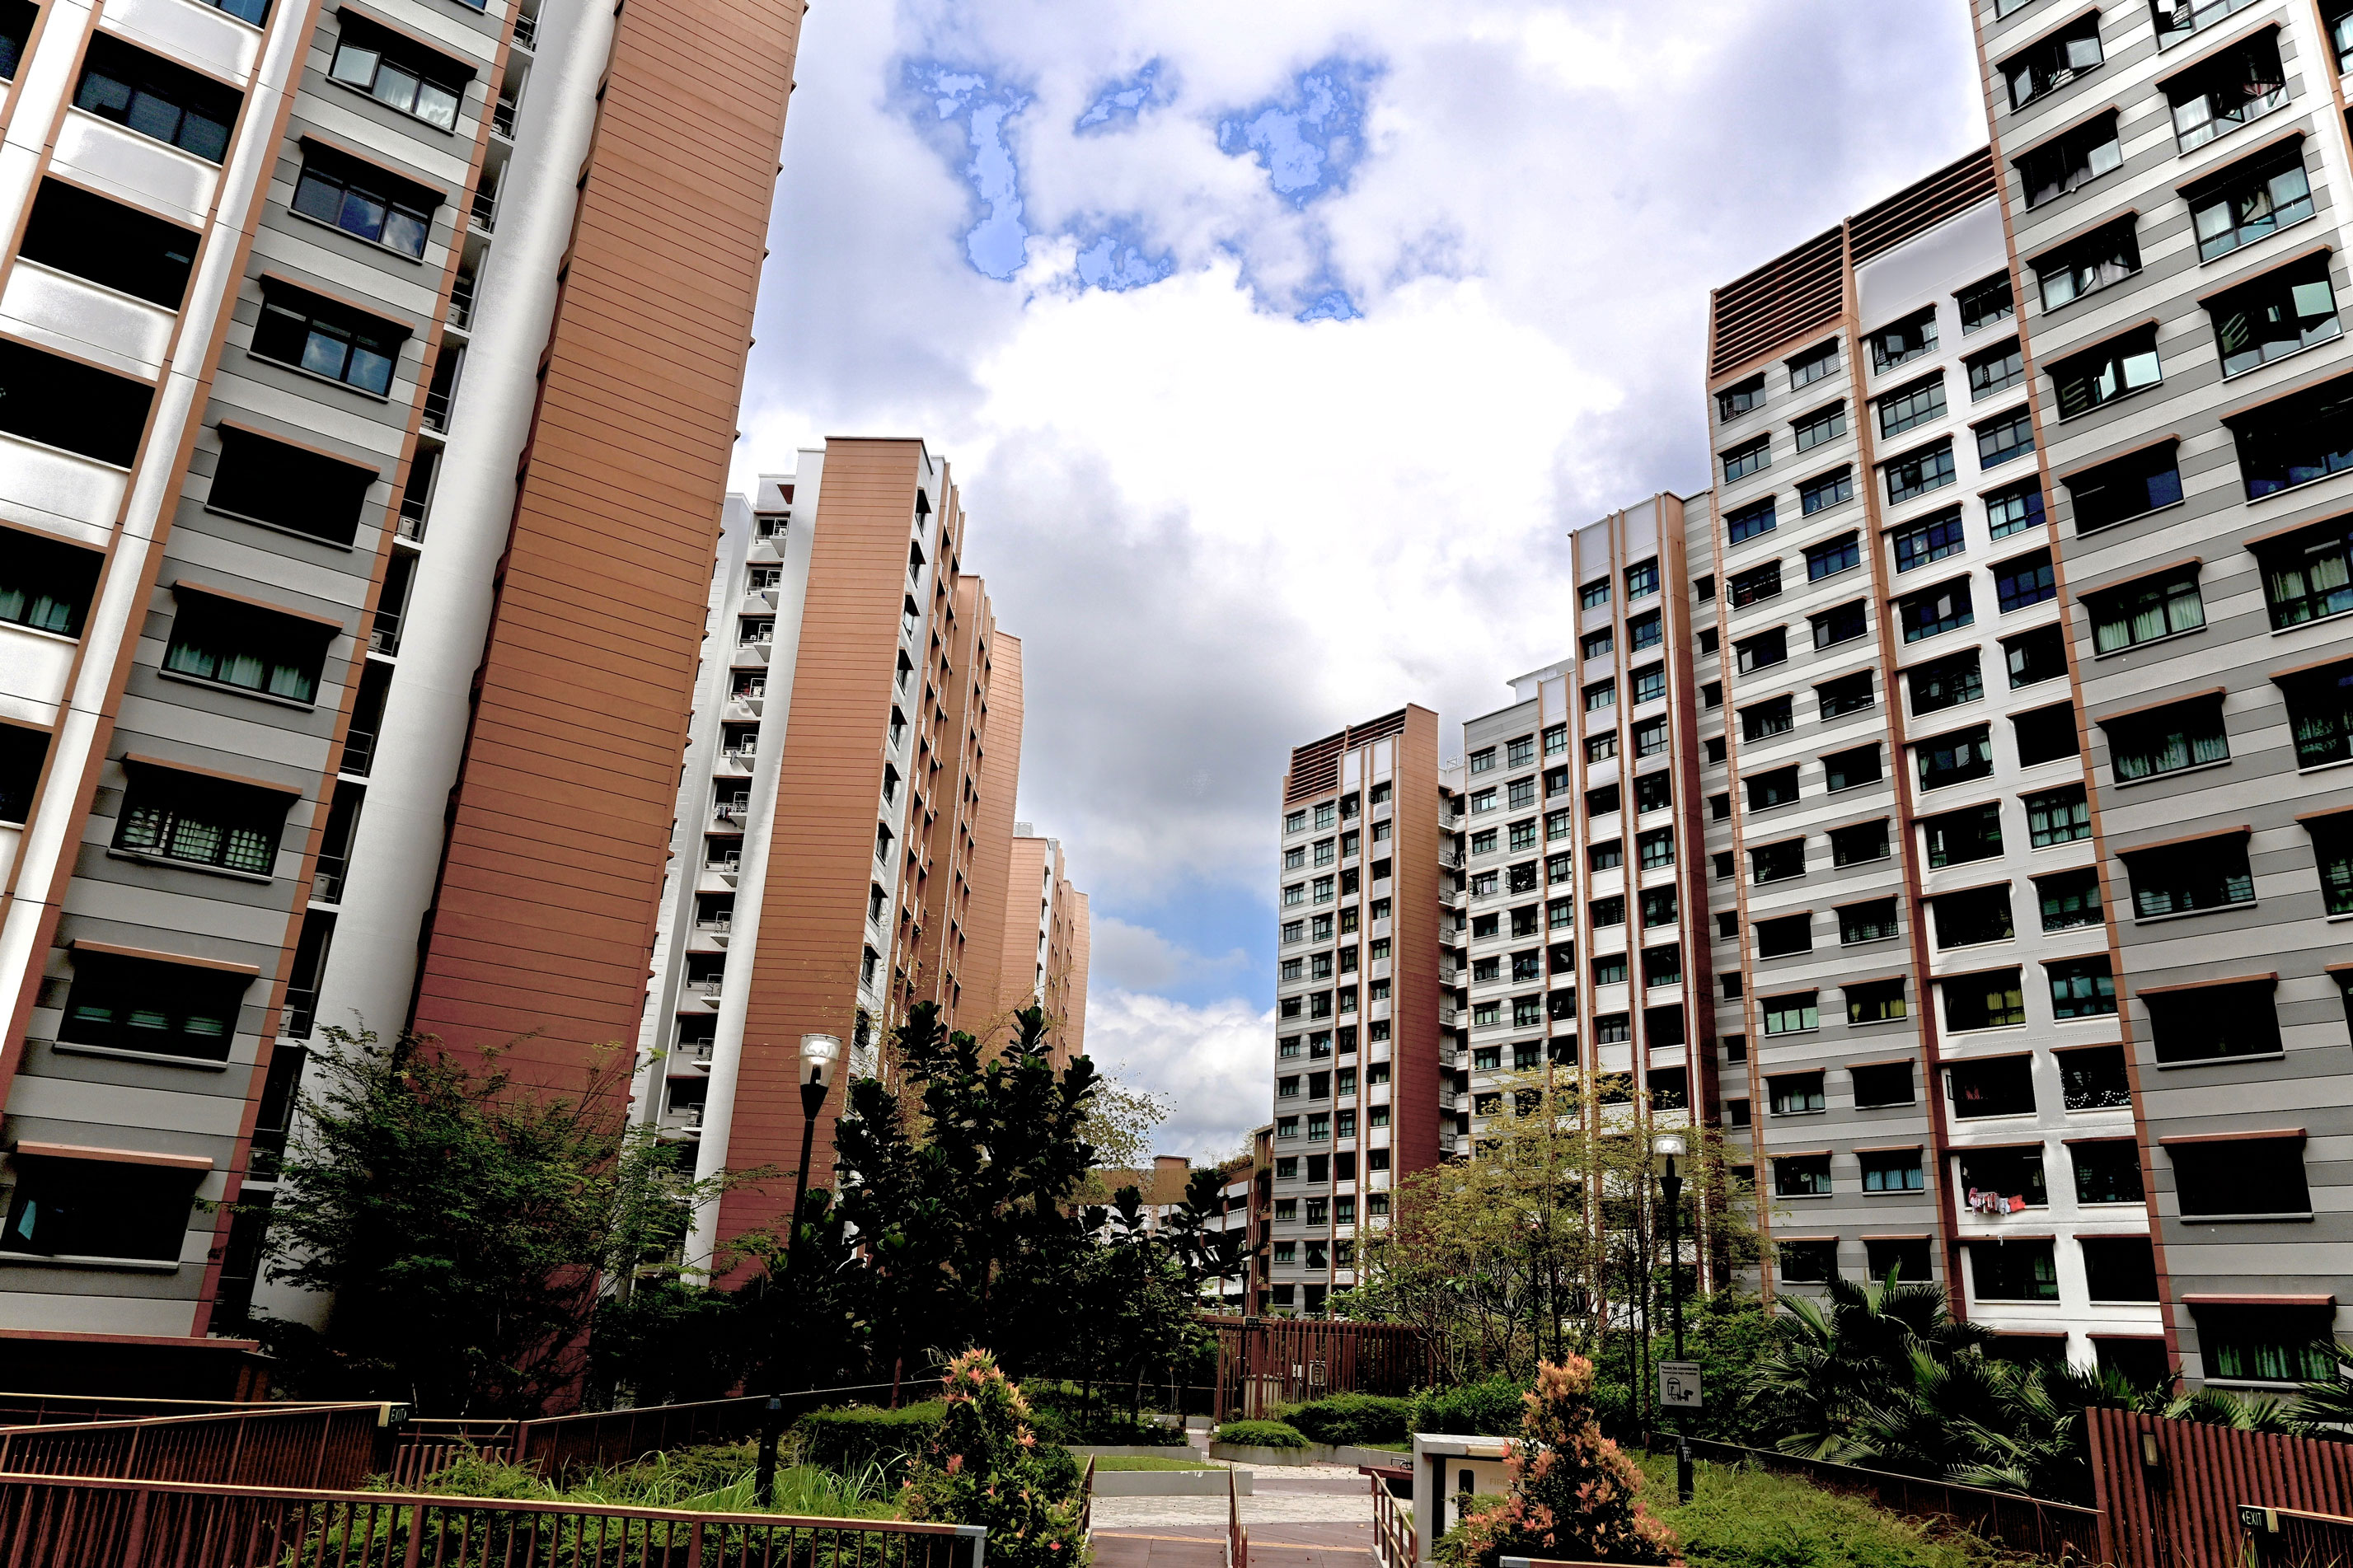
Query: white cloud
{"points": [[1137, 958], [1208, 1063]]}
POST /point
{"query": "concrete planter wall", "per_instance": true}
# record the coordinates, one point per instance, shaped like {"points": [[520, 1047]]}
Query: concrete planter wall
{"points": [[1170, 1483], [1313, 1454], [1083, 1452]]}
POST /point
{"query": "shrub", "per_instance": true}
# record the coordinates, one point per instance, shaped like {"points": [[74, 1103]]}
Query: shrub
{"points": [[1262, 1435], [856, 1436], [1574, 1492], [1492, 1407], [982, 1467], [1058, 1413], [1744, 1517], [1346, 1418]]}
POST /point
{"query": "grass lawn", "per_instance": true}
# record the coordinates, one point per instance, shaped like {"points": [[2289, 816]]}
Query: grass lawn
{"points": [[1150, 1462], [1388, 1447], [1741, 1518]]}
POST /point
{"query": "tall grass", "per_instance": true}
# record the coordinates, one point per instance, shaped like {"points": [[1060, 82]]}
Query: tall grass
{"points": [[715, 1480]]}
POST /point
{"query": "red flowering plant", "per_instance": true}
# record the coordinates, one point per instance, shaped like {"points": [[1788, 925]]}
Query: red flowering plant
{"points": [[984, 1465], [1573, 1491]]}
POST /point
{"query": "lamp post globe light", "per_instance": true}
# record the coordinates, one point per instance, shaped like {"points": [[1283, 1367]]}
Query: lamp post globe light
{"points": [[1671, 1147]]}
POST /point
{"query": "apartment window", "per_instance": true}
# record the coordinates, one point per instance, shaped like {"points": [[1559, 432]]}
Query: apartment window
{"points": [[2160, 606], [1761, 651], [364, 200], [1650, 684], [2081, 988], [152, 1007], [1822, 425], [2332, 852], [201, 821], [1296, 858], [2046, 734], [2050, 64], [1878, 1084], [1653, 792], [2227, 91], [2003, 437], [2058, 816], [1846, 694], [2013, 1172], [2177, 19], [1766, 719], [1483, 759], [1851, 769], [1943, 609], [2167, 740], [2213, 1022], [1996, 370], [2118, 1267], [1813, 364], [1661, 966], [2241, 1177], [1594, 594], [1918, 472], [1803, 1176], [1749, 522], [1556, 741], [1704, 587], [1859, 843], [1287, 1088], [1833, 556], [2307, 576], [98, 1208], [2278, 314], [1931, 539], [1774, 862], [288, 488], [22, 750], [1641, 579], [1720, 864], [2024, 579], [1519, 754], [1611, 968], [2095, 1078], [1523, 835], [1793, 1012], [1945, 682], [234, 645], [1843, 624], [2128, 488], [155, 98], [1909, 407], [1870, 921], [1601, 800], [1748, 457], [1613, 1028], [1651, 739], [1797, 1094], [2297, 439], [1599, 695], [2069, 899], [1741, 397], [1641, 632], [1988, 1001], [1891, 1170], [2249, 201], [1955, 758], [109, 243], [46, 584], [327, 339], [2013, 1271], [2071, 159], [1904, 341], [390, 70], [1606, 857], [1324, 814], [1784, 934], [1777, 787], [1295, 823], [66, 403], [1967, 919], [2100, 376], [2267, 1344], [2099, 261], [2189, 879], [1296, 893], [1556, 826], [1758, 584], [1810, 1261], [1958, 837], [2014, 510], [1658, 907]]}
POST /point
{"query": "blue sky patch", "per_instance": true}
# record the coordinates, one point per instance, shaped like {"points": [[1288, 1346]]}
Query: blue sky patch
{"points": [[1120, 102], [1115, 258], [997, 243], [1333, 306], [1309, 138]]}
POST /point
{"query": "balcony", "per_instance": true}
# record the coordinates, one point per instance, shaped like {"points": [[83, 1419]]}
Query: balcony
{"points": [[327, 879], [383, 638], [691, 1058], [526, 30], [502, 118], [436, 412], [714, 930], [359, 753], [301, 1009], [462, 301], [683, 1123], [485, 211], [705, 990], [411, 526]]}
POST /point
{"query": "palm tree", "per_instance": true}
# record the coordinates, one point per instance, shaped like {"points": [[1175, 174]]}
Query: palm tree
{"points": [[1840, 1364]]}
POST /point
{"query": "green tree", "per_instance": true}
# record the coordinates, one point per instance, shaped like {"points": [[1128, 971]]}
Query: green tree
{"points": [[1574, 1492], [463, 1223]]}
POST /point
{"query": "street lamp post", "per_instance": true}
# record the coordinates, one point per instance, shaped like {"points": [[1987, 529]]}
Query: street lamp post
{"points": [[818, 1054], [1671, 1146]]}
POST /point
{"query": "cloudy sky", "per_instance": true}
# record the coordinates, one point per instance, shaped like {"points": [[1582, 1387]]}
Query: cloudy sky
{"points": [[1276, 346]]}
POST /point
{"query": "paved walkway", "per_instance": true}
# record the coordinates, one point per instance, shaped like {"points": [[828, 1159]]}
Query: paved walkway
{"points": [[1308, 1516]]}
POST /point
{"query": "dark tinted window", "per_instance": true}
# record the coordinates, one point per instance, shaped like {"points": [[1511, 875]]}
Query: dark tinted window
{"points": [[156, 98], [109, 243], [288, 487], [69, 405]]}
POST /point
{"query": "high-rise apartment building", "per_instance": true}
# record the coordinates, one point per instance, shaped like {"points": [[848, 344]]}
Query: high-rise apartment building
{"points": [[843, 830], [1043, 960], [2173, 180], [336, 685], [1364, 1031]]}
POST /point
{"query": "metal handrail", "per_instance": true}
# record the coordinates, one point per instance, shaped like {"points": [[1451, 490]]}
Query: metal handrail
{"points": [[313, 1445], [1237, 1536]]}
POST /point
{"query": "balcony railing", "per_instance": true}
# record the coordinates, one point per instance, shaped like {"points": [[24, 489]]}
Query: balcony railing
{"points": [[302, 1011], [411, 525], [462, 301], [436, 412], [383, 638], [526, 30], [359, 753], [327, 879], [486, 209], [502, 118]]}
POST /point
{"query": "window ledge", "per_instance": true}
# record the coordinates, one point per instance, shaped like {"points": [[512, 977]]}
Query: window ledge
{"points": [[276, 527], [2278, 1055], [141, 859], [2236, 249], [355, 238], [1895, 1192], [186, 679], [2336, 337], [2295, 489], [76, 642], [322, 380], [2062, 844], [2169, 773], [2193, 914], [157, 1059], [2304, 1218], [2276, 631], [82, 1260], [2169, 637]]}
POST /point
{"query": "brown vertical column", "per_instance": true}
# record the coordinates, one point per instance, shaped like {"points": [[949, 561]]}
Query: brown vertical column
{"points": [[1414, 1034], [560, 822], [992, 854]]}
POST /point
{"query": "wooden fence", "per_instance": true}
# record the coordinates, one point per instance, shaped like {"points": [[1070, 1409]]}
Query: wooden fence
{"points": [[1264, 1363], [2169, 1493], [53, 1522], [2287, 1538], [255, 1445]]}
